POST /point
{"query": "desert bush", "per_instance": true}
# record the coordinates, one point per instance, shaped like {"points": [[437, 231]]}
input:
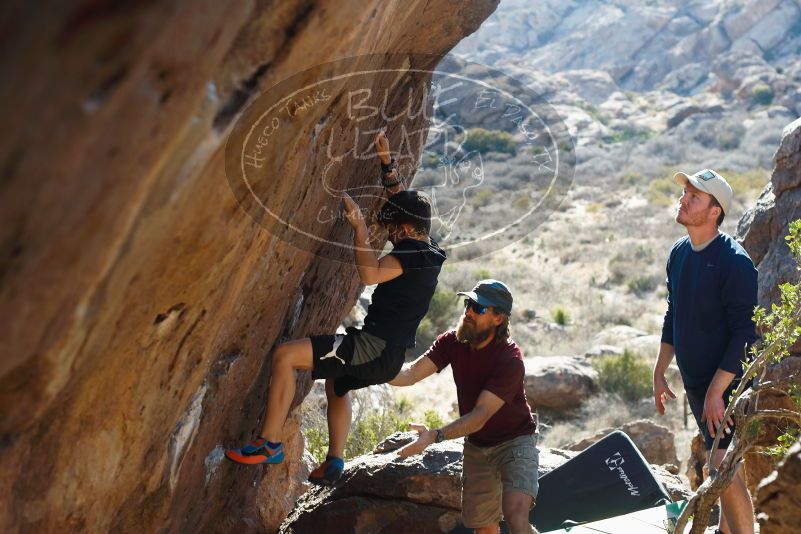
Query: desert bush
{"points": [[482, 198], [744, 184], [642, 284], [522, 202], [442, 313], [631, 133], [486, 141], [762, 94], [560, 316], [376, 415], [627, 375], [663, 192]]}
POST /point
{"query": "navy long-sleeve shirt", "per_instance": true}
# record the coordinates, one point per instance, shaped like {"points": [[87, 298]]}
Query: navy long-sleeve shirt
{"points": [[711, 298]]}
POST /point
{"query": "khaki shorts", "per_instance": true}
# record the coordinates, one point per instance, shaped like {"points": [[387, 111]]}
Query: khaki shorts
{"points": [[488, 472]]}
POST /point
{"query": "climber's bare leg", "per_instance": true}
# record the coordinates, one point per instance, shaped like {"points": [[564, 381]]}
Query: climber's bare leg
{"points": [[287, 357], [339, 415]]}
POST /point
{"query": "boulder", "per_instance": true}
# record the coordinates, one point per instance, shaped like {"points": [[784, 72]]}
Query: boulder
{"points": [[602, 350], [778, 498], [681, 112], [656, 442], [559, 384], [758, 463], [686, 79], [381, 492], [619, 335], [762, 228], [594, 86]]}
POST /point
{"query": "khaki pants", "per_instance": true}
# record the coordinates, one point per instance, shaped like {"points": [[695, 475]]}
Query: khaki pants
{"points": [[488, 472]]}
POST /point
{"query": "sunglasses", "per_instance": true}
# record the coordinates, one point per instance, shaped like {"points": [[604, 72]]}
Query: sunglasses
{"points": [[475, 306]]}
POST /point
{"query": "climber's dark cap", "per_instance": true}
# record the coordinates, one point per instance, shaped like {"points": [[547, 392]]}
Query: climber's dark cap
{"points": [[491, 293], [407, 207]]}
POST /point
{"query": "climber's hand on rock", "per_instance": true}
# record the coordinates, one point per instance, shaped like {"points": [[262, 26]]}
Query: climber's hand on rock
{"points": [[382, 147], [352, 212], [425, 437]]}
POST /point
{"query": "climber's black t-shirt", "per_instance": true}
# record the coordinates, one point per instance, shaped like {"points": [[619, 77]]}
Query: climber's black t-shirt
{"points": [[399, 305]]}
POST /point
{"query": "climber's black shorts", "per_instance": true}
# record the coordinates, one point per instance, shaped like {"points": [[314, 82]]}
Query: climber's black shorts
{"points": [[695, 398], [355, 360]]}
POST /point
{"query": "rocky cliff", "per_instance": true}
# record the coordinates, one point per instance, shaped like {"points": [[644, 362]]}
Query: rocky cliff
{"points": [[139, 301], [762, 230]]}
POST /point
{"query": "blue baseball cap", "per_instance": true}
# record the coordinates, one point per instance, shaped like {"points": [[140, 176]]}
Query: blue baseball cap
{"points": [[491, 293]]}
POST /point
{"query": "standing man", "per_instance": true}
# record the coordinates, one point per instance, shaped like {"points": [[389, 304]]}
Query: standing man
{"points": [[499, 472], [712, 292]]}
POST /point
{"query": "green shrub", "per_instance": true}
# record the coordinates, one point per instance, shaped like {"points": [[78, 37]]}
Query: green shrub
{"points": [[746, 183], [762, 94], [522, 202], [642, 284], [442, 313], [485, 141], [627, 375], [482, 198], [482, 274], [432, 419], [663, 192], [560, 316], [630, 133], [430, 161], [371, 428]]}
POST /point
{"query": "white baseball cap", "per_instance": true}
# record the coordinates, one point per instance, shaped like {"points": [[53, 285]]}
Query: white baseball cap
{"points": [[709, 182]]}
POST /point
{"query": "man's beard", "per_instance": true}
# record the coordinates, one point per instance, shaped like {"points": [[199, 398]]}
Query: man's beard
{"points": [[467, 333], [687, 220]]}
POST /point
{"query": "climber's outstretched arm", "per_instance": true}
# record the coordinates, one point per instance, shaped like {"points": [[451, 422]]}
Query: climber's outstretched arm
{"points": [[412, 373], [371, 269], [390, 178]]}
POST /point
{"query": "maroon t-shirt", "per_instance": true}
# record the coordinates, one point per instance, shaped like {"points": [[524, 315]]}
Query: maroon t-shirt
{"points": [[499, 369]]}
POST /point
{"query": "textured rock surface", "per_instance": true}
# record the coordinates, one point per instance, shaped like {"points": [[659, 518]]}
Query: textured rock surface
{"points": [[139, 300], [762, 230], [696, 462], [384, 493], [763, 227], [779, 496], [654, 441], [558, 384]]}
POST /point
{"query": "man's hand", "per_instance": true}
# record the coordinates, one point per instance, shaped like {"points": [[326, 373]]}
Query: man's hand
{"points": [[713, 413], [425, 438], [382, 147], [662, 393], [353, 213]]}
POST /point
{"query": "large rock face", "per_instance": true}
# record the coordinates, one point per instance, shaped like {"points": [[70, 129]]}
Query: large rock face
{"points": [[779, 496], [139, 301], [762, 228]]}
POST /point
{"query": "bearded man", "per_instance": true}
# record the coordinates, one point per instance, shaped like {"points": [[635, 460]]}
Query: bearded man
{"points": [[499, 473]]}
